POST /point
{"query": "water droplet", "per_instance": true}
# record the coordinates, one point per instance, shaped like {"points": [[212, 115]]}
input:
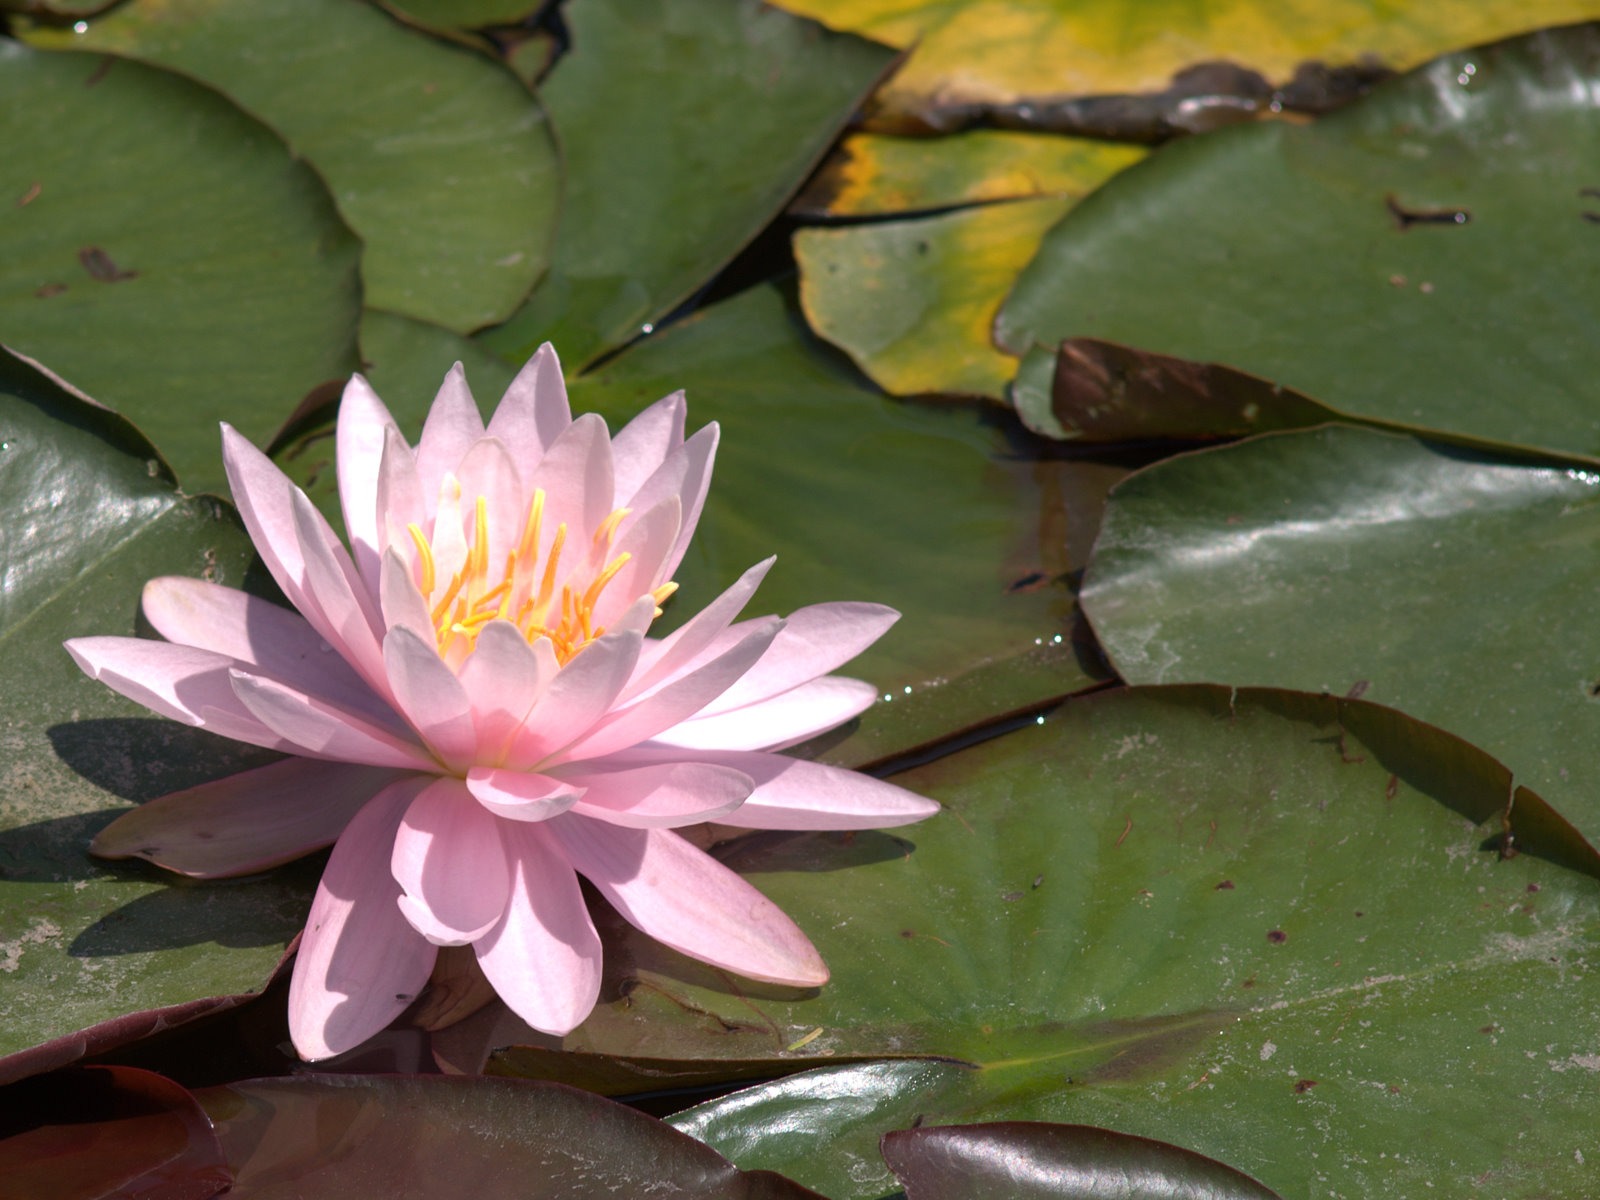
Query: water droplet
{"points": [[1467, 72], [647, 327], [1056, 639], [888, 696], [80, 27], [1039, 720], [908, 689]]}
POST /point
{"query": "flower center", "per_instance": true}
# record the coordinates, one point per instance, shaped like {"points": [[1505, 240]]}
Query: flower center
{"points": [[536, 598]]}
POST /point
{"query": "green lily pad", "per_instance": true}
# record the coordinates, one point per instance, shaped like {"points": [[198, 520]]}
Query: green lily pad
{"points": [[437, 156], [1270, 928], [1451, 585], [686, 127], [166, 253], [912, 302], [1427, 257], [91, 514]]}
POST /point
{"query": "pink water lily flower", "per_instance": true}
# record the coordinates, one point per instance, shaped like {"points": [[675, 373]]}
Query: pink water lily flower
{"points": [[478, 714]]}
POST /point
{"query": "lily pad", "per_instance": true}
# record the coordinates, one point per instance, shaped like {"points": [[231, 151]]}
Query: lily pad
{"points": [[913, 301], [166, 252], [1274, 929], [1038, 61], [92, 513], [1451, 585], [686, 127], [1427, 257], [445, 165]]}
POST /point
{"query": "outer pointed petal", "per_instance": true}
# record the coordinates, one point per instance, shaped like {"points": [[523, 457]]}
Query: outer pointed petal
{"points": [[246, 822], [332, 585], [579, 696], [686, 473], [320, 730], [188, 685], [644, 443], [680, 650], [359, 963], [792, 793], [364, 426], [673, 702], [544, 957], [277, 641], [505, 677], [799, 713], [430, 696], [659, 797], [575, 474], [450, 864], [452, 426], [534, 410], [687, 900], [815, 640], [263, 496], [401, 500], [522, 796]]}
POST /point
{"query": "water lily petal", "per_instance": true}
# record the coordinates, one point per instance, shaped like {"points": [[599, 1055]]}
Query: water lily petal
{"points": [[678, 699], [534, 410], [580, 694], [815, 640], [646, 540], [687, 900], [402, 602], [187, 684], [360, 964], [659, 797], [401, 500], [245, 822], [681, 649], [521, 795], [505, 676], [686, 473], [794, 793], [271, 640], [364, 426], [320, 730], [544, 956], [449, 862], [452, 426], [576, 476], [643, 444], [430, 696], [489, 471], [799, 713], [338, 593]]}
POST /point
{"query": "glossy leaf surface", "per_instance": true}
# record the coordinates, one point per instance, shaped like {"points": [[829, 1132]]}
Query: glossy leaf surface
{"points": [[445, 165], [92, 514], [1268, 927], [1419, 258], [686, 126], [110, 170]]}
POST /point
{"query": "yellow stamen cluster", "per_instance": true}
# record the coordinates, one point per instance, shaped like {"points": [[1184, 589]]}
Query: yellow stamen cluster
{"points": [[539, 603]]}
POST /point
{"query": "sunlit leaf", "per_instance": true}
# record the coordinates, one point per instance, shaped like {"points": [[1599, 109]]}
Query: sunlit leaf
{"points": [[686, 125], [1427, 257], [436, 156], [166, 253]]}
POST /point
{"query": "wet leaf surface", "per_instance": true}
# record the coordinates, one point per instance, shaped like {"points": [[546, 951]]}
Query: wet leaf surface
{"points": [[431, 116], [686, 127], [109, 171], [1270, 928], [1415, 259]]}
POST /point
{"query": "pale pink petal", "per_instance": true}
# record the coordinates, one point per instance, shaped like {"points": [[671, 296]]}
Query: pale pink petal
{"points": [[575, 474], [246, 822], [401, 499], [799, 713], [580, 694], [676, 700], [521, 795], [313, 727], [637, 620], [447, 536], [364, 426], [272, 640], [189, 685], [452, 426], [687, 900], [360, 964], [646, 540], [430, 696], [686, 473], [488, 471], [450, 864], [534, 410], [659, 797], [403, 605], [544, 957], [815, 640], [505, 676], [680, 650], [792, 793], [338, 593], [644, 443], [264, 498]]}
